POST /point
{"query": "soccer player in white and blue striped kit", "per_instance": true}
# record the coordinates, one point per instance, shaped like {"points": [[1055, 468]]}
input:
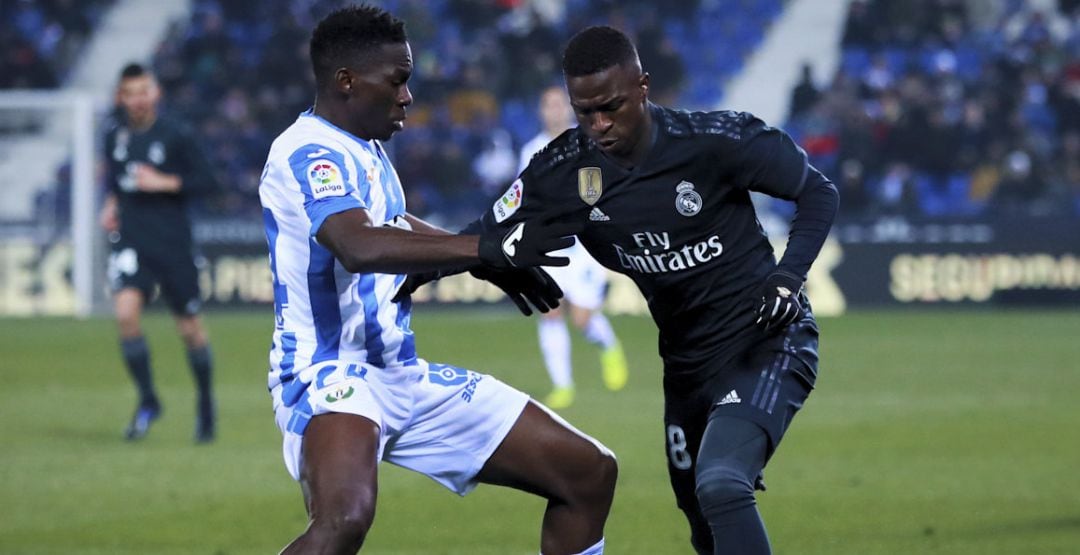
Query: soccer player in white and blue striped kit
{"points": [[347, 385]]}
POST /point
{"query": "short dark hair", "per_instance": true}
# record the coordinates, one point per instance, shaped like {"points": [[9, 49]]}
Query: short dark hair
{"points": [[595, 49], [132, 70], [350, 32]]}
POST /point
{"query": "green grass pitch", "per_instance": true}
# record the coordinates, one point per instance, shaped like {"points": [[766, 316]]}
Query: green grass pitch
{"points": [[929, 432]]}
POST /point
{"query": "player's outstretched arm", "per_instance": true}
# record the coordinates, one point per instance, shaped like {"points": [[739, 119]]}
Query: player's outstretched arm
{"points": [[527, 287], [363, 247]]}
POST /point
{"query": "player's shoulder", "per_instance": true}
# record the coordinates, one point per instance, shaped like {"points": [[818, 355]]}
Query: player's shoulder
{"points": [[306, 140], [719, 125], [561, 153]]}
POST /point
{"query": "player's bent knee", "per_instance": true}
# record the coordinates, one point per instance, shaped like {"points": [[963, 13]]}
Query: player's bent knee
{"points": [[597, 484], [722, 488], [347, 529]]}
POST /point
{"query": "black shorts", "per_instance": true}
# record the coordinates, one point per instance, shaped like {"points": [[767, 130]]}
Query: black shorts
{"points": [[767, 385], [143, 268]]}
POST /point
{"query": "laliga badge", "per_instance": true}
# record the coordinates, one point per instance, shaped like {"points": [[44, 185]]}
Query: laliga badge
{"points": [[687, 200], [590, 184]]}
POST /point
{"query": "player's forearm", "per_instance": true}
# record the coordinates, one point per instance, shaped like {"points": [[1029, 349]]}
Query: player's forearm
{"points": [[396, 251], [170, 183], [149, 180], [421, 226], [816, 208]]}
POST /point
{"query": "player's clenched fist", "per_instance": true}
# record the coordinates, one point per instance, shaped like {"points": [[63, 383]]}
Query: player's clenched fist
{"points": [[527, 244]]}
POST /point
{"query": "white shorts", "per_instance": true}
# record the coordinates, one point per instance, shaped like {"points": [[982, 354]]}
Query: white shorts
{"points": [[439, 420], [584, 281]]}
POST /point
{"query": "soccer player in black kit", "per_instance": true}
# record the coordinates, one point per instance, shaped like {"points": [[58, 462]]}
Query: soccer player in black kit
{"points": [[664, 197], [154, 166]]}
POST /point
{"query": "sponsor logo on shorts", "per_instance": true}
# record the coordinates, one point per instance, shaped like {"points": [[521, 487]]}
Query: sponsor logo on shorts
{"points": [[730, 399], [444, 374], [450, 376], [470, 390], [342, 392]]}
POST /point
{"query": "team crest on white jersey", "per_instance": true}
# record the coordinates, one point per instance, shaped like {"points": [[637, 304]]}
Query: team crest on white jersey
{"points": [[509, 202], [687, 200], [325, 179], [590, 184]]}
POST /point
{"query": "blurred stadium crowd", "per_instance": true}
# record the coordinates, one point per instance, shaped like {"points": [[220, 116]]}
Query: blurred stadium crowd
{"points": [[40, 40], [479, 68], [939, 108], [939, 111]]}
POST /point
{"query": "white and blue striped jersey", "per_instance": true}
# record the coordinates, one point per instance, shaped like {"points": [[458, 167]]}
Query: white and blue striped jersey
{"points": [[322, 311]]}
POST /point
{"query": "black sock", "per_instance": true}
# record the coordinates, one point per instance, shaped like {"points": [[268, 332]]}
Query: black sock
{"points": [[201, 364], [137, 358]]}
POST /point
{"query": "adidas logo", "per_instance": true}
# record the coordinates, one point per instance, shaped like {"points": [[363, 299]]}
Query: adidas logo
{"points": [[730, 398], [597, 216]]}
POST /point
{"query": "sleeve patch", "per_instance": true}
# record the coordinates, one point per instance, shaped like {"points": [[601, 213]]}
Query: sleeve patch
{"points": [[325, 179], [509, 202]]}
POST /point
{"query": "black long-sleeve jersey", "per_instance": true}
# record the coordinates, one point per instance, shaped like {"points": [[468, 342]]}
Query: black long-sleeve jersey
{"points": [[681, 223], [156, 220]]}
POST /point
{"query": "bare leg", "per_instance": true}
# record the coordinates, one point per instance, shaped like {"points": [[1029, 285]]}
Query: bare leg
{"points": [[545, 455], [191, 330], [128, 304], [340, 481]]}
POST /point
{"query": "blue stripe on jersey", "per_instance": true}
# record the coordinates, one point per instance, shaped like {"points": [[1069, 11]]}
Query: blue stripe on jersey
{"points": [[407, 351], [281, 293], [301, 415], [292, 392], [373, 343], [288, 358], [320, 210], [325, 311]]}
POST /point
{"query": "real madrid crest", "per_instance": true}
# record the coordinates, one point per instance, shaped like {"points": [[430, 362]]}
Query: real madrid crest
{"points": [[590, 184], [687, 200], [156, 153]]}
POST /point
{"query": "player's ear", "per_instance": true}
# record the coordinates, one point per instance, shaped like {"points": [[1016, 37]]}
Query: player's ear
{"points": [[644, 85], [343, 79]]}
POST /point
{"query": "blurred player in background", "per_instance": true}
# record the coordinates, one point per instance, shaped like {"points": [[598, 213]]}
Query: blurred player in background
{"points": [[583, 281], [664, 196], [347, 386], [154, 167]]}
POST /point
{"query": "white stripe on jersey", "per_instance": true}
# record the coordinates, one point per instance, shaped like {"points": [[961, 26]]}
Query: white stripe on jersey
{"points": [[322, 311]]}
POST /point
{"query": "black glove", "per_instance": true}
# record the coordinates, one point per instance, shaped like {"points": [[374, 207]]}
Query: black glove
{"points": [[527, 244], [779, 302], [414, 281], [523, 286]]}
